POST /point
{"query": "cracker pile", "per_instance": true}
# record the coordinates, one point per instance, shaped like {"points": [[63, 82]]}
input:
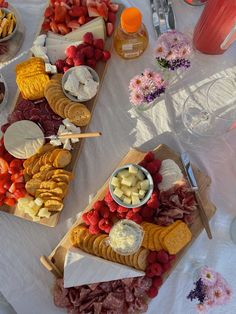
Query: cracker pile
{"points": [[97, 245], [31, 78], [172, 238], [46, 179], [76, 112]]}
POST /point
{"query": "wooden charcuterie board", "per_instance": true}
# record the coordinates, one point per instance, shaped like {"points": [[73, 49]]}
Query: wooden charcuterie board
{"points": [[77, 147], [55, 261]]}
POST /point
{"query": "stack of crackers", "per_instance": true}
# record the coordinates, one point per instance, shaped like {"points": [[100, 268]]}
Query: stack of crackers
{"points": [[76, 112], [172, 238], [31, 78], [99, 246]]}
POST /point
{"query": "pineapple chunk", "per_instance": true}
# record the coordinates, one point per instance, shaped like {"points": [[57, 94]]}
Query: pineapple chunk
{"points": [[127, 181], [123, 174], [127, 200], [140, 175], [135, 200], [133, 169], [115, 182], [118, 192], [126, 190], [144, 185], [141, 194]]}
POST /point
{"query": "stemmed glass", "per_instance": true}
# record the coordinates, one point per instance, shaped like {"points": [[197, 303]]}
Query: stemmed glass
{"points": [[210, 110]]}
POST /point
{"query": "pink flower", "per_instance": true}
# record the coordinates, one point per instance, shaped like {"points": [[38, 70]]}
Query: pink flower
{"points": [[202, 308], [149, 74], [217, 295], [136, 97], [162, 49], [223, 284], [208, 276], [147, 86], [171, 55], [135, 82]]}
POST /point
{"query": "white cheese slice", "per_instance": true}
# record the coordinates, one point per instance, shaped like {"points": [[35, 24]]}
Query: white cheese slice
{"points": [[70, 126], [171, 173], [72, 84], [56, 142], [57, 51], [40, 40], [91, 88], [40, 52], [49, 68], [82, 74], [67, 144], [16, 142]]}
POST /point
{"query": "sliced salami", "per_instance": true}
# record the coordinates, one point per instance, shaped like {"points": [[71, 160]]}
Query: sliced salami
{"points": [[114, 301]]}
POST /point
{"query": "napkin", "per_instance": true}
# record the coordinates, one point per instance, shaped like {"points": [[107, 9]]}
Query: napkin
{"points": [[81, 268]]}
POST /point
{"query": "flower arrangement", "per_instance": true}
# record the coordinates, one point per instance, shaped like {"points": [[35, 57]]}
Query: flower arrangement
{"points": [[145, 88], [211, 289], [172, 51]]}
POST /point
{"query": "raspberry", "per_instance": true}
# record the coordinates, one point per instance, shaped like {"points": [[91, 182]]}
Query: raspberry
{"points": [[166, 266], [71, 51], [99, 204], [149, 272], [113, 206], [112, 17], [88, 52], [154, 166], [137, 218], [122, 209], [129, 214], [151, 168], [136, 209], [149, 157], [79, 61], [108, 198], [60, 65], [105, 224], [152, 292], [108, 228], [85, 218], [143, 164], [93, 217], [157, 178], [157, 281], [91, 63], [172, 258], [147, 212], [88, 38], [162, 257], [94, 229], [153, 202], [69, 62], [98, 54], [98, 43], [106, 55], [152, 257], [121, 215], [156, 269], [104, 212], [66, 68]]}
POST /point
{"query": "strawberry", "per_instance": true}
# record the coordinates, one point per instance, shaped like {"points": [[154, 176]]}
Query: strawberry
{"points": [[106, 55], [71, 51], [153, 202], [76, 11], [112, 17], [93, 217], [149, 272], [108, 198], [110, 28], [60, 14], [157, 178], [162, 257], [152, 292], [122, 209], [66, 68], [74, 24], [113, 7], [54, 27], [48, 12], [4, 167], [98, 43], [98, 54], [152, 257], [147, 211], [157, 281], [121, 215], [156, 269], [113, 206], [9, 201], [85, 219], [94, 229], [166, 266], [82, 20], [88, 38], [149, 157], [60, 65], [102, 10], [136, 209], [46, 26], [70, 62]]}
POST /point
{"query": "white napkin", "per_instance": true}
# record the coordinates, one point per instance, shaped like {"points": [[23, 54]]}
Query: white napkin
{"points": [[81, 268]]}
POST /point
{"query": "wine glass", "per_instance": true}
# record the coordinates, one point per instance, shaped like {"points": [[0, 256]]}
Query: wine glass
{"points": [[210, 110]]}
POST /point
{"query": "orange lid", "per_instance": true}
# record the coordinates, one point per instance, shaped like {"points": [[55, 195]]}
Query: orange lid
{"points": [[131, 20]]}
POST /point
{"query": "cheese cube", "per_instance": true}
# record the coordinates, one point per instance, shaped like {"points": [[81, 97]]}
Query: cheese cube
{"points": [[133, 169], [141, 193], [122, 197], [134, 180], [127, 200], [134, 189], [115, 182], [38, 201], [127, 181], [135, 194], [118, 192], [126, 190], [138, 185], [135, 200], [123, 174], [140, 175], [43, 212], [144, 185]]}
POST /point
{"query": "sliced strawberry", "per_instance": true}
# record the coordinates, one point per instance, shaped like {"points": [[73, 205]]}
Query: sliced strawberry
{"points": [[106, 55], [63, 29], [46, 26], [60, 14], [2, 190], [9, 201], [73, 24], [82, 20], [54, 27], [102, 10], [7, 185], [4, 167], [110, 28], [77, 11], [112, 17], [19, 193], [16, 163], [48, 12]]}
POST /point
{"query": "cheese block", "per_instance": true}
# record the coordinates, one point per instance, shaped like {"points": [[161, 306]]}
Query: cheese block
{"points": [[56, 52], [16, 142], [57, 41]]}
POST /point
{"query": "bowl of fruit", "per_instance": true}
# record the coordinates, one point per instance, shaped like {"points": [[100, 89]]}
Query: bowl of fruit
{"points": [[131, 186], [8, 24]]}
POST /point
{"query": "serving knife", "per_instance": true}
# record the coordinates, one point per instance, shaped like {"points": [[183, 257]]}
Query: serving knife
{"points": [[68, 135], [193, 183], [155, 19]]}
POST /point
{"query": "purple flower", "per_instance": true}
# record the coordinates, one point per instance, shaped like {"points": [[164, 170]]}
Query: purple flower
{"points": [[199, 292]]}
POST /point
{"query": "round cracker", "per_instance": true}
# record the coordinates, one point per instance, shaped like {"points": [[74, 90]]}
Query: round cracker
{"points": [[96, 243], [142, 259], [90, 243], [79, 115], [76, 235]]}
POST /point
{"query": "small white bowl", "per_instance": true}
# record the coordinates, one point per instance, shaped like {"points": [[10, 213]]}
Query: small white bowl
{"points": [[68, 72], [146, 197], [5, 10]]}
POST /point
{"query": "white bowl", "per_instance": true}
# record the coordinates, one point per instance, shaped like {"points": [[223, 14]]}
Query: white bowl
{"points": [[5, 10], [68, 72], [146, 197]]}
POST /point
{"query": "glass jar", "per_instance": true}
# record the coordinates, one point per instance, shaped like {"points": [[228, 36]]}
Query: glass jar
{"points": [[131, 37], [196, 2]]}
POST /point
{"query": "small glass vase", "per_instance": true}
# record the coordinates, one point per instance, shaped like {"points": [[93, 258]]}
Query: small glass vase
{"points": [[148, 105]]}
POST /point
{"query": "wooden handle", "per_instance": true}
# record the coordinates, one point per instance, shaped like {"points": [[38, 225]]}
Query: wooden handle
{"points": [[203, 215], [80, 135], [51, 267]]}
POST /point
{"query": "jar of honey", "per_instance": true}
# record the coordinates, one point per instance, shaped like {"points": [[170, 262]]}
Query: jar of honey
{"points": [[131, 37]]}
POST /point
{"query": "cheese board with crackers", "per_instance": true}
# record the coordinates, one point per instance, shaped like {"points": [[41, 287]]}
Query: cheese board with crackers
{"points": [[58, 88], [109, 230]]}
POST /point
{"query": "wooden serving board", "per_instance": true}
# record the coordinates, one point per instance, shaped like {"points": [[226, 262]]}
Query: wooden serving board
{"points": [[77, 147], [55, 261]]}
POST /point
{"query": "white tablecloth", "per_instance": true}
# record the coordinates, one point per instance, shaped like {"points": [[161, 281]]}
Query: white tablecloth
{"points": [[23, 281]]}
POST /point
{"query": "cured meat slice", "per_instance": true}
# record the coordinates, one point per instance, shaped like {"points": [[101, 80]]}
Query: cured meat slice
{"points": [[60, 295], [114, 301], [140, 305], [97, 307], [106, 286], [129, 296], [24, 105], [127, 281]]}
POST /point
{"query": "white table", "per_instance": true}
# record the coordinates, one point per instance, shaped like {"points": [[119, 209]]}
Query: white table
{"points": [[23, 281]]}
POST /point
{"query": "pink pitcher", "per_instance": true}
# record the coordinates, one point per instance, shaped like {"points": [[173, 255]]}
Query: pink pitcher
{"points": [[216, 28]]}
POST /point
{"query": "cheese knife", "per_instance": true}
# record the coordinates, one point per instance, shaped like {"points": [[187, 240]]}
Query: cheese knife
{"points": [[68, 135], [193, 183]]}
